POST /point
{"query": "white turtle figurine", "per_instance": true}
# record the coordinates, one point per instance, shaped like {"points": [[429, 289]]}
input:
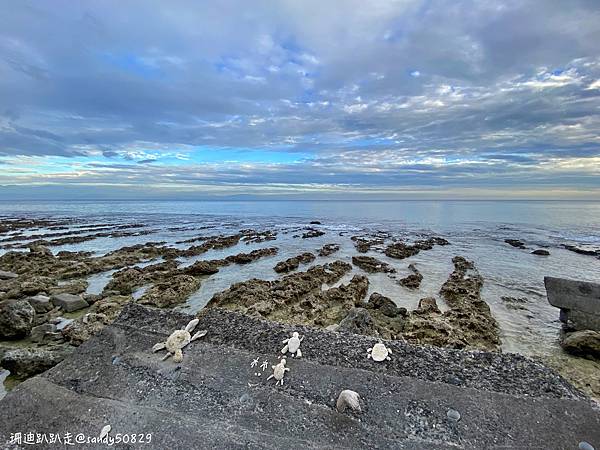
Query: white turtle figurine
{"points": [[278, 372], [292, 345], [379, 352], [178, 340]]}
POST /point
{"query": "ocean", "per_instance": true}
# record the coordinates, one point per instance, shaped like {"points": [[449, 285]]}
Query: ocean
{"points": [[475, 229]]}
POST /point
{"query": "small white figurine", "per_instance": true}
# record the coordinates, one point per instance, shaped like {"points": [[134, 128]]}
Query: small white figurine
{"points": [[292, 345], [278, 372], [178, 340], [379, 352]]}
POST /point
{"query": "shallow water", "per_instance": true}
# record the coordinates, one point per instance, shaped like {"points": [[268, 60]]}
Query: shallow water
{"points": [[476, 230]]}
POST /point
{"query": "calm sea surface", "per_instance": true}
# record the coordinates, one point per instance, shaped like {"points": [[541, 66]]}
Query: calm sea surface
{"points": [[475, 229]]}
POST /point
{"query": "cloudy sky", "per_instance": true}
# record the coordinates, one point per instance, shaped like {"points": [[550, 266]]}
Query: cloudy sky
{"points": [[308, 99]]}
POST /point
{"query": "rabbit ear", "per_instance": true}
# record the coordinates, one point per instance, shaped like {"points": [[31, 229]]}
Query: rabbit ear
{"points": [[198, 335], [190, 326], [159, 346]]}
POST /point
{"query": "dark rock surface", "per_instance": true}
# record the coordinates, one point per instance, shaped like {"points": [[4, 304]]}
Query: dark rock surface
{"points": [[385, 305], [365, 243], [214, 400], [515, 243], [312, 233], [292, 263], [296, 298], [540, 252], [358, 321], [515, 302], [467, 324], [412, 281], [372, 265], [401, 250], [329, 249], [582, 250]]}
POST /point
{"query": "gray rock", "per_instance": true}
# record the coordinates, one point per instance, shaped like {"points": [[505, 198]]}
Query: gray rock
{"points": [[69, 302], [540, 252], [384, 304], [44, 333], [92, 298], [26, 362], [41, 303], [7, 275], [16, 319], [515, 243], [358, 321], [579, 301], [584, 343], [453, 415]]}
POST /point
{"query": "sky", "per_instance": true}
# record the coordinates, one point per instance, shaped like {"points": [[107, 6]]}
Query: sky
{"points": [[299, 99]]}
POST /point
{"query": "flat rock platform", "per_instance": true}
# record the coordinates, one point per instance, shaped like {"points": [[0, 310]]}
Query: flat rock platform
{"points": [[214, 399]]}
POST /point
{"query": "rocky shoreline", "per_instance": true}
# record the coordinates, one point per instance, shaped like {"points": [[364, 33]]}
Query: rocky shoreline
{"points": [[46, 310], [423, 397]]}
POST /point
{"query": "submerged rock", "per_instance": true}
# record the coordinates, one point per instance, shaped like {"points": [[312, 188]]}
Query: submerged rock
{"points": [[372, 265], [400, 250], [364, 244], [582, 250], [541, 252], [200, 268], [312, 233], [514, 302], [292, 263], [245, 258], [412, 281], [515, 243], [328, 249], [584, 343], [16, 319]]}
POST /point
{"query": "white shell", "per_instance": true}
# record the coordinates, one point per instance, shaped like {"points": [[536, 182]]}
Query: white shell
{"points": [[379, 352], [190, 326], [348, 399], [159, 346], [104, 432], [177, 340], [294, 344]]}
